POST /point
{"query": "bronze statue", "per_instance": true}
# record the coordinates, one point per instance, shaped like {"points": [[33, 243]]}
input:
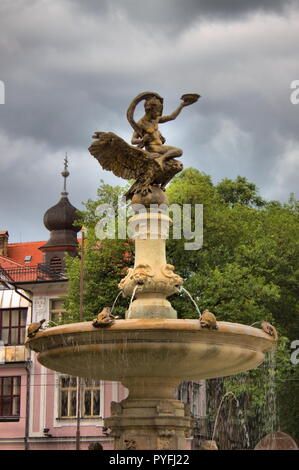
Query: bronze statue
{"points": [[208, 320], [147, 133], [33, 328], [156, 164], [104, 318], [269, 329]]}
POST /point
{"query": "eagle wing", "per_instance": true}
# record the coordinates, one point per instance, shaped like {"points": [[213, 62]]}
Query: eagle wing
{"points": [[124, 160]]}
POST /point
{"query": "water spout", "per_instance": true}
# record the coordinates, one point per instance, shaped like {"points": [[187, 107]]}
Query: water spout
{"points": [[192, 300], [240, 414], [48, 325], [115, 300], [132, 298], [271, 399]]}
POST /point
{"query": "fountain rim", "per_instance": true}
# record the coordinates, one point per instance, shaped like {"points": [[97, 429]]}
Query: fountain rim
{"points": [[157, 324], [241, 348]]}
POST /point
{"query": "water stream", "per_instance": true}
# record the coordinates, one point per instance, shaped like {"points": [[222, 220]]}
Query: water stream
{"points": [[254, 393], [240, 413], [270, 404], [50, 323], [132, 298], [115, 300], [182, 289]]}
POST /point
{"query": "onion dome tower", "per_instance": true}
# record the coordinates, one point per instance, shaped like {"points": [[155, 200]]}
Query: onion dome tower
{"points": [[59, 220]]}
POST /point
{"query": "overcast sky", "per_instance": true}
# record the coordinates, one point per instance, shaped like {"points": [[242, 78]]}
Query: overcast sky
{"points": [[71, 67]]}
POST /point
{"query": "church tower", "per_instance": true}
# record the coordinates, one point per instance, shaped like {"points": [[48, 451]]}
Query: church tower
{"points": [[59, 220]]}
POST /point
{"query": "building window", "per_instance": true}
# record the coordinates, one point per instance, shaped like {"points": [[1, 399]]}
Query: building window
{"points": [[13, 325], [90, 397], [90, 406], [68, 397], [56, 310], [10, 397]]}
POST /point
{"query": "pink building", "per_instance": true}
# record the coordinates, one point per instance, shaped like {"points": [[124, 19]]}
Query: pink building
{"points": [[38, 407]]}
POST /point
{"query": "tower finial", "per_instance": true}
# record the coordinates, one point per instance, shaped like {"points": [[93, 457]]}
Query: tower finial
{"points": [[65, 173]]}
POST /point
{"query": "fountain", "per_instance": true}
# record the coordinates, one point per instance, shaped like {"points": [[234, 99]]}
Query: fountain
{"points": [[150, 351]]}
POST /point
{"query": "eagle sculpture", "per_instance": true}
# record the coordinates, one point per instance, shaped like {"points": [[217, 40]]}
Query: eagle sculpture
{"points": [[156, 165]]}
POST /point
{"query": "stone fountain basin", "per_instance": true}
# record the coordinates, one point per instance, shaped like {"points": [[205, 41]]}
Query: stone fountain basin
{"points": [[178, 349]]}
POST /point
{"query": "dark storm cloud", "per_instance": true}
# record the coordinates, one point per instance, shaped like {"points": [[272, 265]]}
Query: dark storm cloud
{"points": [[178, 13], [71, 67]]}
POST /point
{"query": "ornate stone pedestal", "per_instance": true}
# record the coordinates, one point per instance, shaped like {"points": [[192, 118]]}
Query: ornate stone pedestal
{"points": [[152, 279], [150, 418]]}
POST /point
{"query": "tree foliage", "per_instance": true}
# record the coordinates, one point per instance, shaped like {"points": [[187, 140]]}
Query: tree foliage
{"points": [[246, 271]]}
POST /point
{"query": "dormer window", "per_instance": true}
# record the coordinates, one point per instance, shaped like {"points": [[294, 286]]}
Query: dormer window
{"points": [[28, 259]]}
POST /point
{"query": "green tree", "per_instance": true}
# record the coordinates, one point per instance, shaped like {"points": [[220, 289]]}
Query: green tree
{"points": [[246, 271], [239, 191]]}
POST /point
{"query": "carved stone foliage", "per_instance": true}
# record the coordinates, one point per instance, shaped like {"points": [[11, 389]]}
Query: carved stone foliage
{"points": [[166, 439], [164, 443], [164, 280], [130, 444]]}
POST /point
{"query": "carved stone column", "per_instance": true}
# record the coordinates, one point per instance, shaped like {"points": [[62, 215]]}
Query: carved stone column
{"points": [[150, 418]]}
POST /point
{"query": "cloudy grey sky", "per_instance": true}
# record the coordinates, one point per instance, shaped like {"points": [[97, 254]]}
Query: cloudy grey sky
{"points": [[71, 67]]}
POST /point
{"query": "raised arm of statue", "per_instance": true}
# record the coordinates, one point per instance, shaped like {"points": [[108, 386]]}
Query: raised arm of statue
{"points": [[187, 100], [172, 116]]}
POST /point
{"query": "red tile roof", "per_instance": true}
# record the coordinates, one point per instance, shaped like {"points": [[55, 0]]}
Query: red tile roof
{"points": [[14, 265], [14, 260], [18, 251], [7, 263]]}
